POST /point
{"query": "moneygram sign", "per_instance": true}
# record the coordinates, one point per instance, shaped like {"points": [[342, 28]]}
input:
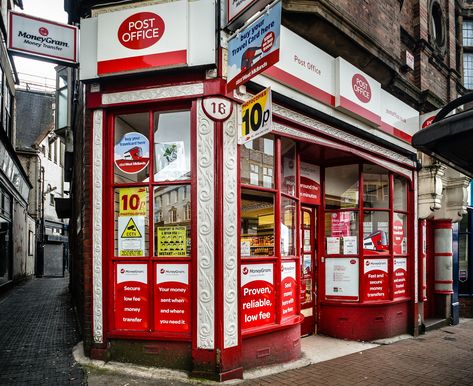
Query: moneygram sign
{"points": [[31, 36]]}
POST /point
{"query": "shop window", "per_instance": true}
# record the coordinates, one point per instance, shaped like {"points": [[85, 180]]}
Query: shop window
{"points": [[257, 223], [400, 193], [341, 187], [400, 234], [288, 227], [375, 187], [288, 170], [173, 231], [131, 152], [172, 152], [375, 232], [341, 233], [257, 162]]}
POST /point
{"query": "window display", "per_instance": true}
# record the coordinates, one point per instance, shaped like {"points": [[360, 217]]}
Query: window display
{"points": [[288, 227], [257, 223]]}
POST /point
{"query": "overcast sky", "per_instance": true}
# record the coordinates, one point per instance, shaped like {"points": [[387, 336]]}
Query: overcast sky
{"points": [[46, 9]]}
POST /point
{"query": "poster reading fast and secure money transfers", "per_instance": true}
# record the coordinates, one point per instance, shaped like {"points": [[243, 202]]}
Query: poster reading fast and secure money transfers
{"points": [[171, 241], [131, 236], [255, 48]]}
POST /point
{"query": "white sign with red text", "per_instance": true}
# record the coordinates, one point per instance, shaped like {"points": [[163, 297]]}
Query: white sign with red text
{"points": [[400, 277], [172, 298], [341, 278], [357, 92], [426, 119], [138, 39], [257, 295], [131, 297], [288, 289], [38, 37], [398, 118]]}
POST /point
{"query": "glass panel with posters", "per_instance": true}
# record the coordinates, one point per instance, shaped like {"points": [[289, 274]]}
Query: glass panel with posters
{"points": [[152, 223]]}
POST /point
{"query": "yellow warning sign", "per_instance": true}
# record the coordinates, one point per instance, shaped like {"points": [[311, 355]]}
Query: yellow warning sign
{"points": [[172, 241], [131, 231]]}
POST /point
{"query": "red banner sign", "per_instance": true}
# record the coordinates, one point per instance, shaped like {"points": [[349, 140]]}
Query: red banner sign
{"points": [[172, 311], [376, 279], [310, 183], [288, 289], [131, 297], [400, 277], [257, 295]]}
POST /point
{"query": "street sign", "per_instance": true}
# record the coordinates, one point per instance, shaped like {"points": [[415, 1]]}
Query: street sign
{"points": [[256, 117]]}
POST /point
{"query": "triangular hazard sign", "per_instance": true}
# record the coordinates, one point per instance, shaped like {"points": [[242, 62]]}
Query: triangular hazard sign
{"points": [[131, 231]]}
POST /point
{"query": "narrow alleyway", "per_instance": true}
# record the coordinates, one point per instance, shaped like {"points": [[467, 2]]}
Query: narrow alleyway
{"points": [[37, 334]]}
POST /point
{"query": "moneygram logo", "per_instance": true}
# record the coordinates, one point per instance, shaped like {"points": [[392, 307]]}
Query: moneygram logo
{"points": [[43, 31], [162, 270], [245, 271], [122, 270], [361, 88], [141, 30]]}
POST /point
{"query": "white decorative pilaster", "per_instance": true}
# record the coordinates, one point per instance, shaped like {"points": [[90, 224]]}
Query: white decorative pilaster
{"points": [[230, 223], [97, 195], [205, 231]]}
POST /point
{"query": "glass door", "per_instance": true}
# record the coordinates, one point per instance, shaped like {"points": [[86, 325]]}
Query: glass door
{"points": [[308, 270]]}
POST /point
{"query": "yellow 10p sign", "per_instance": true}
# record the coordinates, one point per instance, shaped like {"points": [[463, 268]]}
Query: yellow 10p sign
{"points": [[256, 117]]}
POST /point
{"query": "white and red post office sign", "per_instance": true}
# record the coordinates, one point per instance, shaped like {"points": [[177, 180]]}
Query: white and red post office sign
{"points": [[138, 39], [32, 36], [357, 93]]}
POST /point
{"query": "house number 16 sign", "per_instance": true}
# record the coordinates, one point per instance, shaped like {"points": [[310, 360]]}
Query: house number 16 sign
{"points": [[217, 109]]}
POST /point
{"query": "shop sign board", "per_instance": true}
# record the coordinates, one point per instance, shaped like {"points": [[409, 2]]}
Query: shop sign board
{"points": [[357, 93], [256, 117], [131, 297], [243, 9], [309, 187], [254, 49], [304, 68], [132, 153], [172, 298], [397, 118], [171, 240], [400, 277], [40, 38], [131, 232], [151, 37], [132, 202], [376, 279], [288, 289], [257, 295], [341, 278]]}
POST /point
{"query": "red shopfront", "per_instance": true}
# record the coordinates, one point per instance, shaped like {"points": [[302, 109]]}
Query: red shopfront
{"points": [[215, 257]]}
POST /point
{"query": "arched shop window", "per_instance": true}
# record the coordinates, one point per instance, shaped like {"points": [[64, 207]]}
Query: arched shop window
{"points": [[372, 267], [152, 247]]}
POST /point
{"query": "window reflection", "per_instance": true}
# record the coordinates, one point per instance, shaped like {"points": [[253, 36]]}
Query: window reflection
{"points": [[257, 162]]}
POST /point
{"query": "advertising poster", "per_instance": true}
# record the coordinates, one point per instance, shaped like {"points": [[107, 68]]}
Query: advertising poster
{"points": [[288, 289], [172, 241], [131, 232], [132, 202], [257, 295], [350, 245], [400, 277], [341, 224], [132, 153], [170, 160], [341, 278], [254, 49], [256, 117], [309, 183], [376, 279], [399, 243], [172, 298], [131, 297], [333, 245]]}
